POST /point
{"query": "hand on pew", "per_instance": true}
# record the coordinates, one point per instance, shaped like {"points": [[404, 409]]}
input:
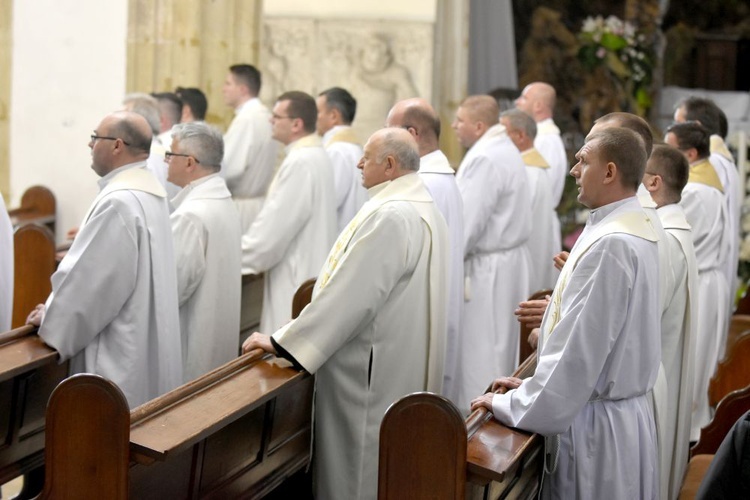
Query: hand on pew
{"points": [[560, 260], [258, 341], [533, 339], [485, 400], [72, 233], [36, 315], [530, 312]]}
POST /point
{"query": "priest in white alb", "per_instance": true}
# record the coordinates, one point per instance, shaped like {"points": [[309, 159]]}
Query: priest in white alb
{"points": [[375, 329], [291, 236], [206, 229], [543, 242], [418, 117], [336, 111], [705, 210], [495, 189], [113, 306], [599, 350]]}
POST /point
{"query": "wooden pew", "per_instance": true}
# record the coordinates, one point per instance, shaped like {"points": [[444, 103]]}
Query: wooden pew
{"points": [[733, 372], [37, 207], [28, 374], [738, 324], [34, 263], [428, 451], [524, 348]]}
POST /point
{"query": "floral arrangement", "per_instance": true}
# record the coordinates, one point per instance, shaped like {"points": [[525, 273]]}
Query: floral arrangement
{"points": [[618, 46]]}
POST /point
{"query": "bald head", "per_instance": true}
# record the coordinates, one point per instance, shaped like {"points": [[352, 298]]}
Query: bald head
{"points": [[420, 119], [537, 100], [628, 121], [388, 154], [123, 137]]}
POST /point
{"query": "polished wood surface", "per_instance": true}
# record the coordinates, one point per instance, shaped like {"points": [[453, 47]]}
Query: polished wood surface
{"points": [[37, 206], [302, 296], [34, 263], [728, 411], [738, 324], [524, 348], [733, 372]]}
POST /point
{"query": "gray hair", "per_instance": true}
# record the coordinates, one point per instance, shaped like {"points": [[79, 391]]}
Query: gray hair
{"points": [[518, 120], [202, 141], [147, 106], [395, 143]]}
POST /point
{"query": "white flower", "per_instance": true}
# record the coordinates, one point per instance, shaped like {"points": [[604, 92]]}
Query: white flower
{"points": [[589, 25]]}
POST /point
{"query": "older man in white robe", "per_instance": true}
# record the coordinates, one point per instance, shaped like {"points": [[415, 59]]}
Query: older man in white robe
{"points": [[290, 238], [543, 242], [599, 349], [418, 117], [6, 268], [375, 329], [113, 306], [497, 224], [705, 209], [206, 229], [249, 149], [336, 111]]}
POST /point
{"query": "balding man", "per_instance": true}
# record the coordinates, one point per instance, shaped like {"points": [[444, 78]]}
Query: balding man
{"points": [[599, 347], [423, 123], [336, 111], [705, 210], [375, 329], [497, 225], [295, 228], [544, 241], [206, 228], [113, 306], [538, 101]]}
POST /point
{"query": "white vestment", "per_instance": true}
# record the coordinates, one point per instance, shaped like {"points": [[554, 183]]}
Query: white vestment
{"points": [[113, 306], [544, 240], [290, 238], [705, 210], [550, 145], [674, 399], [374, 331], [598, 358], [6, 268], [440, 180], [345, 152], [497, 224], [249, 158], [206, 229]]}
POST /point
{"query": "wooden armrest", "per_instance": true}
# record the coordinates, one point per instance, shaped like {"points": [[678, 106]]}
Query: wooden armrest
{"points": [[696, 470]]}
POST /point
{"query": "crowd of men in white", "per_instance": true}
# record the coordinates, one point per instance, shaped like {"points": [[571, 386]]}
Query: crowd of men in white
{"points": [[422, 272]]}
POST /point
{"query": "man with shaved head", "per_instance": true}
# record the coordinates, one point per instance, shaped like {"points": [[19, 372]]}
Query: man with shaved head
{"points": [[418, 117], [375, 328], [497, 225], [113, 307], [538, 101]]}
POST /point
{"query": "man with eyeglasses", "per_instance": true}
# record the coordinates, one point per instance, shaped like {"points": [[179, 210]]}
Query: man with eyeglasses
{"points": [[113, 306], [206, 229], [291, 236]]}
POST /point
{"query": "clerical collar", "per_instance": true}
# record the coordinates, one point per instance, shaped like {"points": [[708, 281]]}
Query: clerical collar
{"points": [[307, 141], [375, 190], [184, 192], [598, 214], [105, 180], [328, 135], [246, 104]]}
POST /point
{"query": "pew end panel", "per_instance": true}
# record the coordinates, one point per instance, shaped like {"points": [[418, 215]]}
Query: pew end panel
{"points": [[728, 411], [733, 372], [38, 206], [33, 264]]}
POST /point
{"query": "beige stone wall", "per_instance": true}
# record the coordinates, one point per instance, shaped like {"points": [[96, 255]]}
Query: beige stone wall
{"points": [[6, 37]]}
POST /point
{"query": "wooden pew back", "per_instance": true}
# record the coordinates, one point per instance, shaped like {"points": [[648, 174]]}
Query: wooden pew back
{"points": [[34, 263], [732, 407], [37, 207], [733, 372]]}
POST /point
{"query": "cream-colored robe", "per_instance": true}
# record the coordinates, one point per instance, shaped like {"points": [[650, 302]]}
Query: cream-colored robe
{"points": [[292, 234], [249, 158], [6, 268], [550, 145], [374, 331], [206, 230], [497, 223], [345, 152], [113, 306]]}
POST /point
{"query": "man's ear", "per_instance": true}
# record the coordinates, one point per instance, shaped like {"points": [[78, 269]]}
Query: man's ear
{"points": [[611, 173]]}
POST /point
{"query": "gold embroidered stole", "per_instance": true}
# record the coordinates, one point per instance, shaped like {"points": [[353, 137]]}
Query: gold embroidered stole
{"points": [[705, 173], [344, 135], [719, 147], [533, 158]]}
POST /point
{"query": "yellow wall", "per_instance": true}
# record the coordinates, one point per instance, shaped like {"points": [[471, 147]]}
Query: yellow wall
{"points": [[6, 32]]}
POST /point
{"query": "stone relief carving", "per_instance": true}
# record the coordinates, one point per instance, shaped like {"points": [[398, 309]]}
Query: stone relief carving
{"points": [[379, 62]]}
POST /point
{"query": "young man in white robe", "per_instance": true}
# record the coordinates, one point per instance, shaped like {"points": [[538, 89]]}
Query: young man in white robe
{"points": [[336, 111], [417, 116], [249, 149], [206, 229], [666, 174], [290, 238], [599, 350], [542, 242], [6, 268], [375, 329], [705, 209], [113, 306], [494, 186]]}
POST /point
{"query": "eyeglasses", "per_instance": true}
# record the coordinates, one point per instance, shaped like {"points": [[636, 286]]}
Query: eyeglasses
{"points": [[279, 117], [168, 156], [94, 137]]}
